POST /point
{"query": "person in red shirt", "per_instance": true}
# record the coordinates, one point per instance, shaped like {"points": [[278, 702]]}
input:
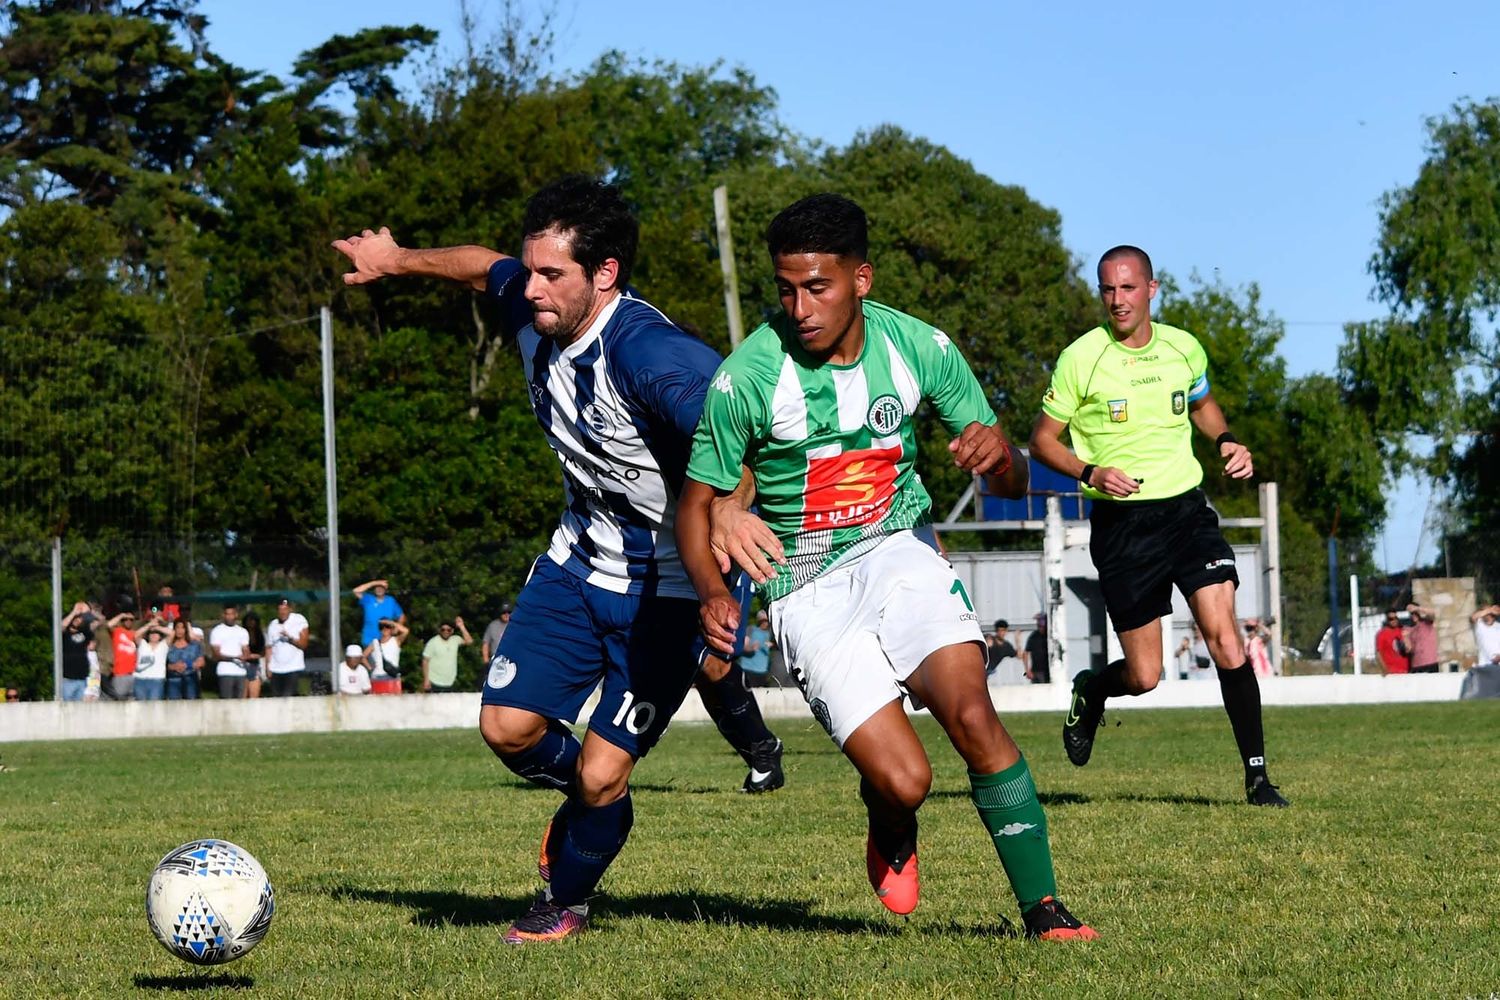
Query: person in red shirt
{"points": [[122, 643], [1390, 646]]}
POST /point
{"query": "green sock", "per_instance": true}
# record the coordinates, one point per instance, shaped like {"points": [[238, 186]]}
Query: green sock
{"points": [[1009, 809]]}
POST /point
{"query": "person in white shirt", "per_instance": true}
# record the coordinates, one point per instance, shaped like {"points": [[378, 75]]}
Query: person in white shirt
{"points": [[286, 646], [354, 678], [384, 653], [151, 661], [1487, 634], [228, 643]]}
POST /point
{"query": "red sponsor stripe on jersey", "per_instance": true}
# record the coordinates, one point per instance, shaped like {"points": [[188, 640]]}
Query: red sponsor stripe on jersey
{"points": [[850, 488]]}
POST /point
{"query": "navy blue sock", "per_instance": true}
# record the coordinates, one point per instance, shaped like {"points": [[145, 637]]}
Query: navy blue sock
{"points": [[553, 762], [592, 837], [735, 711]]}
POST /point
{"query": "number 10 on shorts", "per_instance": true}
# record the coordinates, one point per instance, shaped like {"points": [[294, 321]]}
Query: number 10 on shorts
{"points": [[636, 719]]}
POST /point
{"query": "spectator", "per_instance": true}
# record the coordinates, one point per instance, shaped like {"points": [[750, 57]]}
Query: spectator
{"points": [[354, 676], [151, 661], [119, 635], [1256, 650], [12, 694], [286, 648], [384, 656], [1390, 646], [997, 646], [1037, 655], [1421, 639], [184, 662], [1195, 648], [255, 656], [756, 663], [492, 633], [163, 604], [76, 643], [376, 604], [229, 643], [440, 656], [1487, 634]]}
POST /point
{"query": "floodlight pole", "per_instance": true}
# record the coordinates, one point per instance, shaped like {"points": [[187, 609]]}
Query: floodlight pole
{"points": [[57, 618], [331, 489], [1333, 596], [726, 264]]}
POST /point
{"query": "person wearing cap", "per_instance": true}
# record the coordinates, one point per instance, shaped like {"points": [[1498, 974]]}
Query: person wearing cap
{"points": [[354, 676], [440, 656], [286, 649], [492, 633]]}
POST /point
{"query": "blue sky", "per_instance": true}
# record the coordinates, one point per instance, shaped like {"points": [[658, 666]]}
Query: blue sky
{"points": [[1248, 143]]}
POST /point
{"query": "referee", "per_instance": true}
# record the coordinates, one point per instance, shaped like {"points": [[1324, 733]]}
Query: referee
{"points": [[1132, 391]]}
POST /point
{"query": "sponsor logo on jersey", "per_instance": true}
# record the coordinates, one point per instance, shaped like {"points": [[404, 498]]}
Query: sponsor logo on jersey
{"points": [[1141, 359], [538, 396], [600, 423], [1179, 403], [502, 671], [1147, 380], [1118, 411], [724, 384], [885, 415], [850, 488], [1049, 395]]}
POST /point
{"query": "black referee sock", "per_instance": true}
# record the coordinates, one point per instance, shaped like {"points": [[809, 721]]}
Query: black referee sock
{"points": [[1242, 704], [1107, 683]]}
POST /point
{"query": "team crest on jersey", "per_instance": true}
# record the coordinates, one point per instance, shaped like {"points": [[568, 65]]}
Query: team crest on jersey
{"points": [[820, 712], [1179, 403], [502, 671], [538, 396], [1118, 411], [885, 415], [600, 424]]}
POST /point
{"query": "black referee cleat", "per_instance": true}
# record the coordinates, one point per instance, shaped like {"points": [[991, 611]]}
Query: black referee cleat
{"points": [[1261, 792], [765, 768], [1082, 723]]}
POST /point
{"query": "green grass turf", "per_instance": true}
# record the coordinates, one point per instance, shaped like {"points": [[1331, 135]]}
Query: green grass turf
{"points": [[399, 858]]}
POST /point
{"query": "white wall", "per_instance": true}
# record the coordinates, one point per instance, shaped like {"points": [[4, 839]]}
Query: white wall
{"points": [[111, 720]]}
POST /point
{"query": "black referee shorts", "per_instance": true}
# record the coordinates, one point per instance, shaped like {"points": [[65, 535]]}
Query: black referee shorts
{"points": [[1141, 548]]}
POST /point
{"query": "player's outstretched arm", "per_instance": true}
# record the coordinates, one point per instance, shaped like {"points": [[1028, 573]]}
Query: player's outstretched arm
{"points": [[1209, 420], [718, 611], [984, 449], [1047, 448], [376, 255]]}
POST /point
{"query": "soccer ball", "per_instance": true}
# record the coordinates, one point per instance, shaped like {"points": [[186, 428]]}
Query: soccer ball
{"points": [[209, 902]]}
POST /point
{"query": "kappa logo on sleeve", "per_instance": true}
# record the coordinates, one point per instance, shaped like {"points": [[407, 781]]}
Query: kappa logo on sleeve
{"points": [[724, 384], [942, 340]]}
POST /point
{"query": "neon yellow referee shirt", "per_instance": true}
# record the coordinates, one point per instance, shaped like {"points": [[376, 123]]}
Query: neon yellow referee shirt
{"points": [[1128, 407]]}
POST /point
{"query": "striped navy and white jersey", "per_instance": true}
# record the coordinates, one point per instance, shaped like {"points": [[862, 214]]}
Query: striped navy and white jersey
{"points": [[618, 406]]}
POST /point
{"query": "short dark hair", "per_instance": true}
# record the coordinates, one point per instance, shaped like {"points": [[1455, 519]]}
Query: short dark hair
{"points": [[595, 217], [820, 223], [1126, 250], [1001, 623]]}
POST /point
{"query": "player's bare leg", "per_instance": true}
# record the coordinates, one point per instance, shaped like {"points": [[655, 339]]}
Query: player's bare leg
{"points": [[950, 682], [1213, 608], [895, 777]]}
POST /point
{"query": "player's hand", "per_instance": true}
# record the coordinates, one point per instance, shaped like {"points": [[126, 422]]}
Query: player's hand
{"points": [[1237, 464], [739, 538], [719, 617], [374, 256], [980, 449], [1114, 482]]}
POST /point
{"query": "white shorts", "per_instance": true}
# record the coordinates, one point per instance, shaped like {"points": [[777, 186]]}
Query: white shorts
{"points": [[852, 636]]}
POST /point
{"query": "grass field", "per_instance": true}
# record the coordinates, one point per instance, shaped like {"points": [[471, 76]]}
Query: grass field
{"points": [[399, 858]]}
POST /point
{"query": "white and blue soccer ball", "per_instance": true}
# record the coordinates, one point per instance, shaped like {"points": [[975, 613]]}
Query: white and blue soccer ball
{"points": [[209, 902]]}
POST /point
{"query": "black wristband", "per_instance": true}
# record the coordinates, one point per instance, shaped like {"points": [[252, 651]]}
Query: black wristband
{"points": [[1225, 438], [1088, 470]]}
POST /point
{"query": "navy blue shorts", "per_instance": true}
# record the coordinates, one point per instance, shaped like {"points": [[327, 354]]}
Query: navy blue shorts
{"points": [[565, 636]]}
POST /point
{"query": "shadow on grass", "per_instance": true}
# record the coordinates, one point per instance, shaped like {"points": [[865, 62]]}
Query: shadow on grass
{"points": [[636, 786], [188, 981], [458, 909]]}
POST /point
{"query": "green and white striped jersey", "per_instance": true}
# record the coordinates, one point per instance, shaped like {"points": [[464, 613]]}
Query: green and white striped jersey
{"points": [[832, 446]]}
